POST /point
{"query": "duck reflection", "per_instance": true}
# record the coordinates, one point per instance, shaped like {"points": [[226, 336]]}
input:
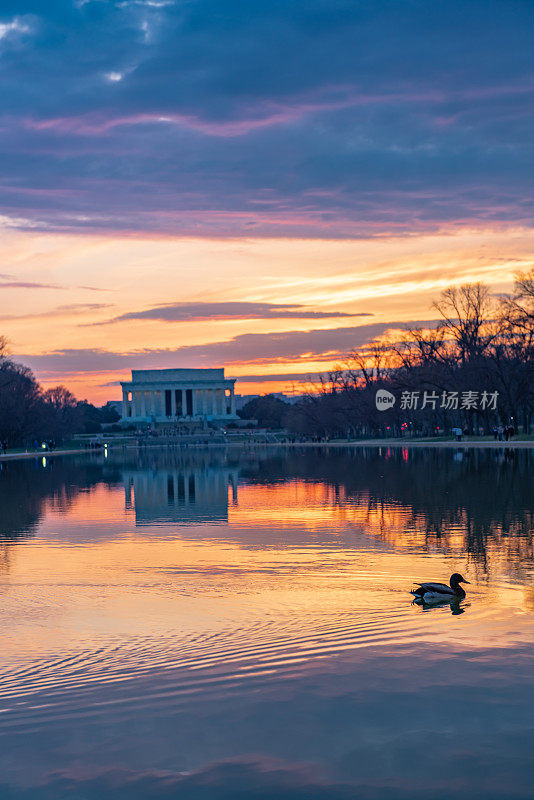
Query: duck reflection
{"points": [[456, 606]]}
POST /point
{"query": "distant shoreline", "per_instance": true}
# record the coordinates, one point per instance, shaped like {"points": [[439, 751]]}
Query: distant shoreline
{"points": [[338, 443], [40, 454], [465, 444]]}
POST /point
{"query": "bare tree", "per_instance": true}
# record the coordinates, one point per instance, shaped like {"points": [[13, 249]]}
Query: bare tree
{"points": [[482, 345], [469, 313], [518, 309]]}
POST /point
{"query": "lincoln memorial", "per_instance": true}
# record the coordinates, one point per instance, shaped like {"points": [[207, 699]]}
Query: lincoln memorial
{"points": [[172, 395]]}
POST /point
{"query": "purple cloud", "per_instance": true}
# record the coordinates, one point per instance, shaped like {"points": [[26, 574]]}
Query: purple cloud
{"points": [[66, 310], [298, 377], [247, 348], [319, 119], [197, 312], [10, 282]]}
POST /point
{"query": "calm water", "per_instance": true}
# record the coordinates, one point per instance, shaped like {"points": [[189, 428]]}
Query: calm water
{"points": [[238, 625]]}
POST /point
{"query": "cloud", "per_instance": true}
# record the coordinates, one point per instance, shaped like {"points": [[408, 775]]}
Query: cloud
{"points": [[315, 118], [298, 377], [28, 285], [16, 25], [81, 307], [246, 348], [109, 383], [10, 282], [67, 310], [198, 312]]}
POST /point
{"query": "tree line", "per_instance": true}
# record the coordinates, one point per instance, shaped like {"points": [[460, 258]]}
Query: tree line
{"points": [[29, 413], [474, 370]]}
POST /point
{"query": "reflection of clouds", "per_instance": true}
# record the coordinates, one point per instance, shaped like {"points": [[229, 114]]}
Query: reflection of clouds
{"points": [[257, 776], [354, 727], [5, 558]]}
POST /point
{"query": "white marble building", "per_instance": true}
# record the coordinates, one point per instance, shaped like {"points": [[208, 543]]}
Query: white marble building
{"points": [[173, 395]]}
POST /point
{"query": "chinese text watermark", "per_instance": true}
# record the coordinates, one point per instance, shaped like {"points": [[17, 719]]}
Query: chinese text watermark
{"points": [[432, 400]]}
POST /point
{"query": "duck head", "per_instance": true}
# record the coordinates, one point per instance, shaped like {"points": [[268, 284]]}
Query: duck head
{"points": [[456, 580]]}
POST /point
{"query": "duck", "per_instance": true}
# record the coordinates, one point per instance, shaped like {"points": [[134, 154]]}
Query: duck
{"points": [[437, 592]]}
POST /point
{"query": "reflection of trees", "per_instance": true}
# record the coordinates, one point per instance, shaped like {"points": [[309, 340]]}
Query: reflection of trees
{"points": [[427, 497], [477, 502], [27, 488]]}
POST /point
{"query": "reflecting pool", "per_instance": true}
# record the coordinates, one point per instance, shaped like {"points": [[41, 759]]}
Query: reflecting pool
{"points": [[238, 624]]}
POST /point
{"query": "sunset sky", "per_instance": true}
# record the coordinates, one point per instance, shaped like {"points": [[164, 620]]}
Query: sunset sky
{"points": [[257, 185]]}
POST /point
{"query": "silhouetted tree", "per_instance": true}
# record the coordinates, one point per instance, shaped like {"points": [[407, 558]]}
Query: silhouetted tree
{"points": [[269, 411], [482, 343], [29, 413]]}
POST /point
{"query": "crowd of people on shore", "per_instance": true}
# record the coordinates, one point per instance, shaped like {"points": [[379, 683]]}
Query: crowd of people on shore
{"points": [[503, 433]]}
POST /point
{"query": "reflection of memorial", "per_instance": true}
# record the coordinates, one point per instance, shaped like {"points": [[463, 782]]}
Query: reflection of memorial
{"points": [[193, 493]]}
